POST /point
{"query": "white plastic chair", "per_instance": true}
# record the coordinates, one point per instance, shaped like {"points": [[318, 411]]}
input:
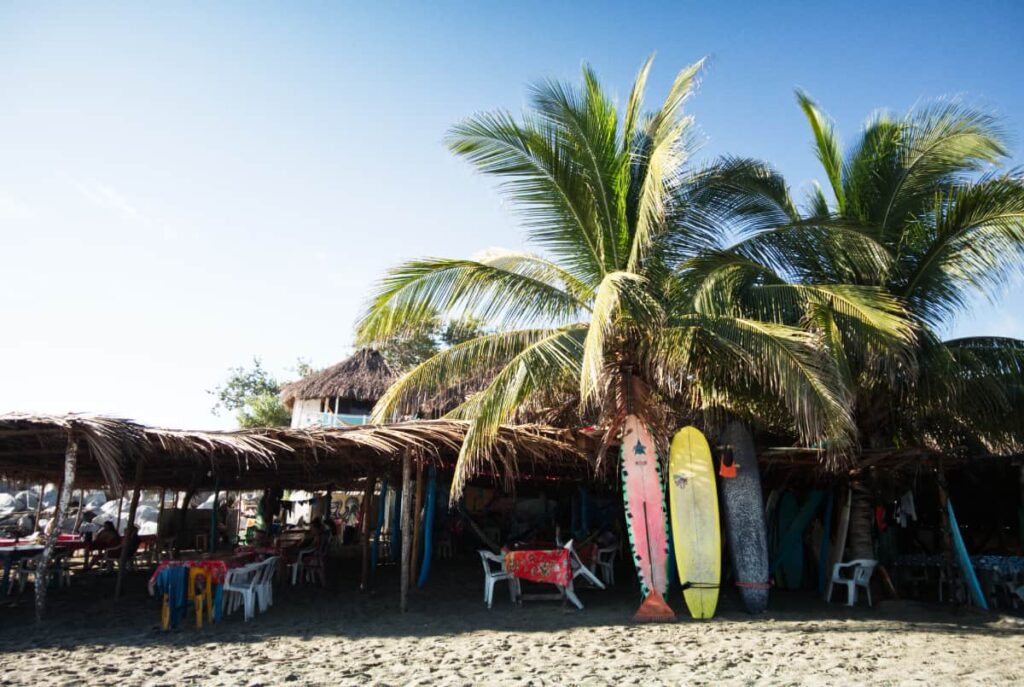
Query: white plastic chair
{"points": [[494, 571], [863, 569], [240, 586], [264, 583], [59, 571], [605, 563], [580, 570], [310, 563]]}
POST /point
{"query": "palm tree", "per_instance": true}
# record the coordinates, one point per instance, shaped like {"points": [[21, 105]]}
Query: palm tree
{"points": [[606, 314], [921, 197]]}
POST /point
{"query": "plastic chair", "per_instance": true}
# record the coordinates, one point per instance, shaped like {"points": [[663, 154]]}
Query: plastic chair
{"points": [[264, 583], [580, 570], [205, 597], [310, 563], [605, 563], [240, 589], [58, 572], [494, 572], [863, 568]]}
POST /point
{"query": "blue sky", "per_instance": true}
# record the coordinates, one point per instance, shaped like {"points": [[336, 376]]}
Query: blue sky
{"points": [[185, 186]]}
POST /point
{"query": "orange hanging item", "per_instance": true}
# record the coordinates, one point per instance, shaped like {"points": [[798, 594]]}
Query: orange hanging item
{"points": [[727, 465]]}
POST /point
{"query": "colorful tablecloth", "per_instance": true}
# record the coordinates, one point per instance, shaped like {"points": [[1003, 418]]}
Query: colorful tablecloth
{"points": [[218, 566], [540, 565]]}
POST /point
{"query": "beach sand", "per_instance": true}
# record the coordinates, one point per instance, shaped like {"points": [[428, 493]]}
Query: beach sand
{"points": [[340, 636]]}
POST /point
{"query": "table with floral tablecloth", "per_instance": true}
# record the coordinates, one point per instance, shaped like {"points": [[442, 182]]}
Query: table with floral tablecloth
{"points": [[217, 566], [540, 565]]}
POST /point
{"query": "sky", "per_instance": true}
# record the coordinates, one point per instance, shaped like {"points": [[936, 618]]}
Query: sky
{"points": [[186, 186]]}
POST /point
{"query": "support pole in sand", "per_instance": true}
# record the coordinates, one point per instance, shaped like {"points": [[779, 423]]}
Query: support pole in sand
{"points": [[130, 537], [371, 484], [63, 499], [81, 508], [417, 520], [120, 507], [406, 526], [39, 507]]}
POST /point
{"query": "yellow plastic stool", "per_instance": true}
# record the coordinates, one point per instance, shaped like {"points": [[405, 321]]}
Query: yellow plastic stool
{"points": [[205, 596]]}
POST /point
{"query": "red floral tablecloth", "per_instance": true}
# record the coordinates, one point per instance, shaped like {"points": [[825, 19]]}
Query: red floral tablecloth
{"points": [[218, 566], [540, 565]]}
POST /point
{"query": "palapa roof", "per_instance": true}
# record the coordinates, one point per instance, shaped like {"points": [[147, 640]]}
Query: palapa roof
{"points": [[115, 453], [363, 376]]}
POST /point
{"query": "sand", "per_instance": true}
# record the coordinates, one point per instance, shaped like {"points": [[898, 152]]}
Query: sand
{"points": [[342, 637]]}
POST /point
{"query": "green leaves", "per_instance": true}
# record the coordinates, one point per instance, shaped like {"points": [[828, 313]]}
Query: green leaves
{"points": [[826, 146]]}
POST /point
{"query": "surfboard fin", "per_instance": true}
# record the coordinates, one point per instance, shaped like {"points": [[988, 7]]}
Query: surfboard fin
{"points": [[654, 610]]}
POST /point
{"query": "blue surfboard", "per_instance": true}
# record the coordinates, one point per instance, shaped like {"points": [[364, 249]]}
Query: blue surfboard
{"points": [[965, 560], [428, 526]]}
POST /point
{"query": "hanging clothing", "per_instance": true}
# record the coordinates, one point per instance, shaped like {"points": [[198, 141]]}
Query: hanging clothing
{"points": [[905, 509]]}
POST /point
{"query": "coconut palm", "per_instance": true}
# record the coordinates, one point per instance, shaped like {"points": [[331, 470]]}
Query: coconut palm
{"points": [[605, 314], [923, 194]]}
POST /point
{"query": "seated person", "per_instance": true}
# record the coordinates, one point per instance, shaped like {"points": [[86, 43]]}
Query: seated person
{"points": [[103, 541]]}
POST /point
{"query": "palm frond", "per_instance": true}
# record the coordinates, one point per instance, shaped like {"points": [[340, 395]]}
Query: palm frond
{"points": [[505, 297], [826, 146]]}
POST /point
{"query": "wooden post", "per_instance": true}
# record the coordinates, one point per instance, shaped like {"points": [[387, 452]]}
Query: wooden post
{"points": [[129, 538], [371, 484], [212, 546], [120, 507], [63, 499], [406, 526], [81, 508], [417, 519], [39, 507]]}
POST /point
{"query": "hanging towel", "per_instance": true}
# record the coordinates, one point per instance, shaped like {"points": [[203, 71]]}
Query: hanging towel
{"points": [[173, 581], [907, 511]]}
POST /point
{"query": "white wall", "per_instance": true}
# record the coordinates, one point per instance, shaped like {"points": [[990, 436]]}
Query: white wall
{"points": [[305, 413]]}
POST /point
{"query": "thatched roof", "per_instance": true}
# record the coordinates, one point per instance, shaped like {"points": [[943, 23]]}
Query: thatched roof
{"points": [[110, 452], [363, 376]]}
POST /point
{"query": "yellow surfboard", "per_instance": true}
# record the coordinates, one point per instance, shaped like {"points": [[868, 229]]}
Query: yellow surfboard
{"points": [[696, 535]]}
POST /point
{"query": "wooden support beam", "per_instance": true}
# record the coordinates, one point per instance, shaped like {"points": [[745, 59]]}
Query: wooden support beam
{"points": [[417, 518], [371, 485], [406, 526], [130, 536], [63, 499], [39, 506], [81, 510]]}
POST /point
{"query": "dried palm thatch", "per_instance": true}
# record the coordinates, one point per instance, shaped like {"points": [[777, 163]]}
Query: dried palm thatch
{"points": [[363, 376], [32, 448]]}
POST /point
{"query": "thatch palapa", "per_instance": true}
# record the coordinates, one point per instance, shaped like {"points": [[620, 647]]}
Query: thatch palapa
{"points": [[364, 376], [32, 448]]}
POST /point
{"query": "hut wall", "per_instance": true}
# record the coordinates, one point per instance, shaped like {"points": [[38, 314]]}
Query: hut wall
{"points": [[305, 412]]}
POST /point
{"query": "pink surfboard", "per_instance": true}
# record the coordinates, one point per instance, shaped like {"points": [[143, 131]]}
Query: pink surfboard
{"points": [[646, 517]]}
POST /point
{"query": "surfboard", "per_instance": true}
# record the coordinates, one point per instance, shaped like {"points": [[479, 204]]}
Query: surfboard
{"points": [[789, 563], [428, 526], [381, 509], [396, 526], [746, 529], [966, 567], [696, 534], [824, 571], [839, 546], [646, 517]]}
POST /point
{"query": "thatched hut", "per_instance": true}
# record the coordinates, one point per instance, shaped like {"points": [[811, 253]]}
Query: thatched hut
{"points": [[343, 394]]}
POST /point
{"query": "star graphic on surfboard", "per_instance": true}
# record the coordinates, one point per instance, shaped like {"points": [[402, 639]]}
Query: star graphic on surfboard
{"points": [[640, 449]]}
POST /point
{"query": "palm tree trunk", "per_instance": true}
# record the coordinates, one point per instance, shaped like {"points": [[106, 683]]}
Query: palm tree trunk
{"points": [[859, 542]]}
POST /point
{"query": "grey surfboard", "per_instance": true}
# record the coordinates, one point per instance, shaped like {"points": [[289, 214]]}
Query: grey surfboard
{"points": [[745, 526]]}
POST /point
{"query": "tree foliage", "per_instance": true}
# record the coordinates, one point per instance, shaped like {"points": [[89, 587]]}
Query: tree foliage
{"points": [[253, 394], [614, 310]]}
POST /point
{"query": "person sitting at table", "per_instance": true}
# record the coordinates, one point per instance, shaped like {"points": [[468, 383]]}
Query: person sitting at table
{"points": [[104, 540]]}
